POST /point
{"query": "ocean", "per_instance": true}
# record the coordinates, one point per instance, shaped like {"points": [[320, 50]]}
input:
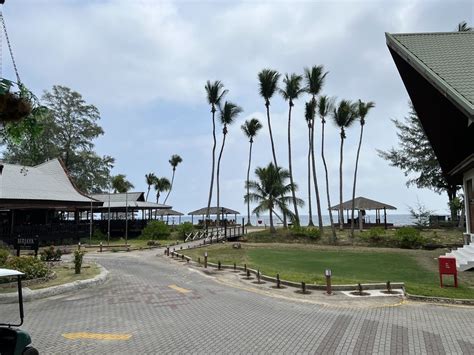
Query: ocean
{"points": [[396, 219]]}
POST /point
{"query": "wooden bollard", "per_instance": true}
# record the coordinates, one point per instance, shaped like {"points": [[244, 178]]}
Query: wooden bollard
{"points": [[258, 276], [359, 288], [205, 260], [182, 256], [245, 267], [248, 274], [79, 246], [219, 265], [235, 267], [303, 287], [389, 287], [199, 260], [278, 281], [100, 246]]}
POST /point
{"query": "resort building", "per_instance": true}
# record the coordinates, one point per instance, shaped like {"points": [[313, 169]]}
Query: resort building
{"points": [[438, 72]]}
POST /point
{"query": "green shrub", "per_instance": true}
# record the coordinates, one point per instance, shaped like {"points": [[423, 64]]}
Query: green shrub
{"points": [[4, 254], [32, 268], [409, 238], [156, 230], [51, 254], [78, 256], [185, 228], [308, 232], [98, 235]]}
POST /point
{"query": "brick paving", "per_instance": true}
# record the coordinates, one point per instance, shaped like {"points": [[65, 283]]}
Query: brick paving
{"points": [[215, 318]]}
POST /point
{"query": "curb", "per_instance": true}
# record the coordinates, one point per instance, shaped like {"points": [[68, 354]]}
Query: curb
{"points": [[31, 295], [440, 300]]}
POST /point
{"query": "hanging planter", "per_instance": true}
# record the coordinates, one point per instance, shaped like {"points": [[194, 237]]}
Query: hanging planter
{"points": [[15, 105]]}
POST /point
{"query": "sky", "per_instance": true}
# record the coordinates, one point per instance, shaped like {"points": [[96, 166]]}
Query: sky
{"points": [[144, 64]]}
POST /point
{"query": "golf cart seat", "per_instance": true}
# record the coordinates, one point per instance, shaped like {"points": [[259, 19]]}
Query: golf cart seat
{"points": [[7, 341]]}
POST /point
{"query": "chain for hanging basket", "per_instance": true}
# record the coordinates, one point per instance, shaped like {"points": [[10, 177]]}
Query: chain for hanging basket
{"points": [[16, 101]]}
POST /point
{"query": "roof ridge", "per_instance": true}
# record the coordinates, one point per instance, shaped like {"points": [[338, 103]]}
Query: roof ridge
{"points": [[432, 33]]}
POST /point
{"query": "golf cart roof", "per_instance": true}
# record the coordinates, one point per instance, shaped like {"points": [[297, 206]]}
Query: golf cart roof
{"points": [[9, 272]]}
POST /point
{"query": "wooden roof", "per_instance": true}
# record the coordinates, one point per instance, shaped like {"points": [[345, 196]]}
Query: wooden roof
{"points": [[213, 211], [362, 203], [169, 212]]}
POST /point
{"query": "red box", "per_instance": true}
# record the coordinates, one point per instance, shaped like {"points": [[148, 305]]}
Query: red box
{"points": [[447, 266]]}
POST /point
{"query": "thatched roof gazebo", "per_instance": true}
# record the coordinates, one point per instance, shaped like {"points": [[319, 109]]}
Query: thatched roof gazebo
{"points": [[169, 212], [362, 204], [213, 211]]}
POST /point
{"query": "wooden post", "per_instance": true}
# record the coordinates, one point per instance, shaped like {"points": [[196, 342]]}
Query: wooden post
{"points": [[360, 221], [385, 217]]}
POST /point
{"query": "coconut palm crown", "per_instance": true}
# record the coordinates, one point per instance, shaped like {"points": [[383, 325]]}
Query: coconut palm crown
{"points": [[161, 185], [150, 180], [215, 92], [268, 80], [314, 79], [344, 115], [292, 88], [174, 162]]}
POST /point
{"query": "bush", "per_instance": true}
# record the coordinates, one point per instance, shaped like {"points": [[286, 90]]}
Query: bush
{"points": [[185, 228], [308, 232], [51, 254], [373, 235], [98, 235], [78, 256], [156, 230], [30, 266], [4, 254], [409, 238]]}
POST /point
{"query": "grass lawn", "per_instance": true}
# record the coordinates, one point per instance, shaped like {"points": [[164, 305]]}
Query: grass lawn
{"points": [[349, 265], [64, 274]]}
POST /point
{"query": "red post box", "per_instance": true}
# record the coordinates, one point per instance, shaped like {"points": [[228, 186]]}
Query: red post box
{"points": [[447, 266]]}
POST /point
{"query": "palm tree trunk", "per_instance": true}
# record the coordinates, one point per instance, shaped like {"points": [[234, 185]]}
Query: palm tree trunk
{"points": [[248, 188], [333, 228], [316, 188], [217, 178], [267, 105], [157, 196], [149, 186], [213, 110], [341, 210], [169, 191], [355, 178], [272, 227], [297, 217], [310, 209]]}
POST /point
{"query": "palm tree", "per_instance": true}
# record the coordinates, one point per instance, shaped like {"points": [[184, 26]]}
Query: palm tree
{"points": [[325, 106], [363, 109], [310, 110], [344, 116], [250, 129], [270, 192], [120, 184], [161, 185], [228, 114], [174, 162], [268, 80], [215, 92], [150, 180], [463, 27], [314, 83], [290, 93]]}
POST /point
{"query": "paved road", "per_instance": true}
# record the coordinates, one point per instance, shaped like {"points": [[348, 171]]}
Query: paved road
{"points": [[197, 314]]}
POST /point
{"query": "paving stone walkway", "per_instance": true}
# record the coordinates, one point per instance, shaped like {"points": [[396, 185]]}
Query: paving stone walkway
{"points": [[153, 305]]}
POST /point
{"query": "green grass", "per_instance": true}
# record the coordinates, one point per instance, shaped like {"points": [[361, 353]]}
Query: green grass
{"points": [[64, 274], [349, 265]]}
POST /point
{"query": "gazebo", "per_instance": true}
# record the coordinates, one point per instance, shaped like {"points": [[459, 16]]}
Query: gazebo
{"points": [[213, 211], [169, 212], [362, 204]]}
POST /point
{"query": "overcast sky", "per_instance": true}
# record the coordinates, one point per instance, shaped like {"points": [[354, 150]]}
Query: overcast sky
{"points": [[144, 64]]}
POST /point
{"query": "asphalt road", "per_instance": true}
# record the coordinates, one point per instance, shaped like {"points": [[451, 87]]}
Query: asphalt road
{"points": [[151, 305]]}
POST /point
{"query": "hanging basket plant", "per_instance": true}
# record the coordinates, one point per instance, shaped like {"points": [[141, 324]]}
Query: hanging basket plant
{"points": [[15, 105]]}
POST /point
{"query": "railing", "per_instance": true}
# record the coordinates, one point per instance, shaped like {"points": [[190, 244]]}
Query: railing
{"points": [[216, 234], [46, 232]]}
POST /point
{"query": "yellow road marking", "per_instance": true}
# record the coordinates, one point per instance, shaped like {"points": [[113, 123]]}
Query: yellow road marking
{"points": [[179, 289], [97, 336]]}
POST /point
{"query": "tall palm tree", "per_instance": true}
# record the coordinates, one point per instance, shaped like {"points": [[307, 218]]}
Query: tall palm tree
{"points": [[228, 114], [270, 192], [315, 77], [120, 184], [291, 92], [325, 106], [309, 114], [174, 162], [463, 27], [268, 80], [161, 185], [215, 92], [363, 109], [250, 129], [150, 180], [343, 116]]}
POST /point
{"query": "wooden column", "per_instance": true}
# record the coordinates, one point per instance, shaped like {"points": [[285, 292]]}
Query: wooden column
{"points": [[385, 217]]}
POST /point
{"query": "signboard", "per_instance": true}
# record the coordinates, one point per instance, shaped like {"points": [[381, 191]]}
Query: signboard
{"points": [[447, 266], [26, 243]]}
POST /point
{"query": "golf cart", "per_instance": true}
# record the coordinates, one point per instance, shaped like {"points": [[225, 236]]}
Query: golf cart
{"points": [[14, 341]]}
